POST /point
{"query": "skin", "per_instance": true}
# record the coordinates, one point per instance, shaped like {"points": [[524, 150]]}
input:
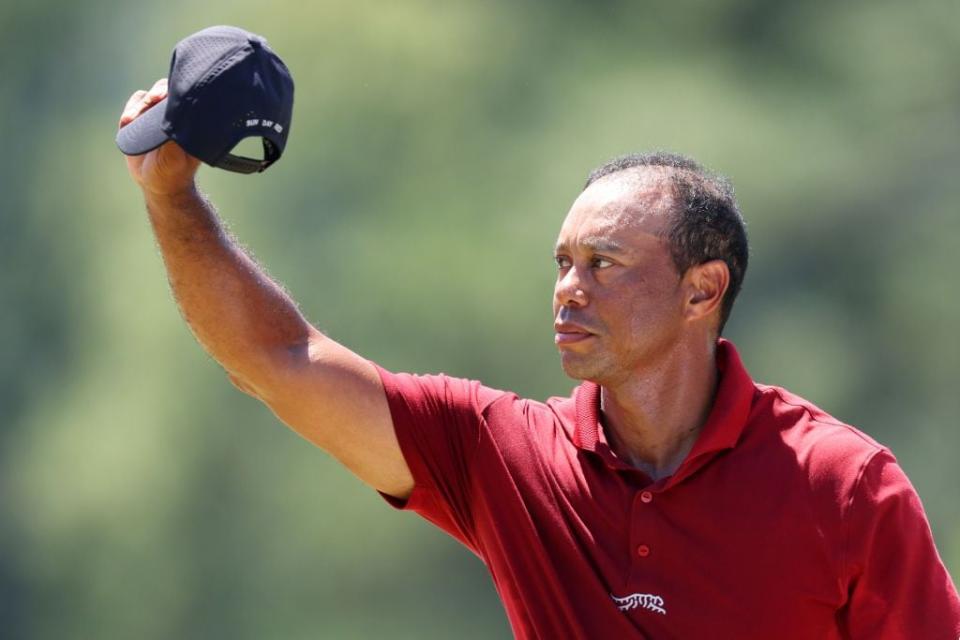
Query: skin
{"points": [[627, 319], [322, 390]]}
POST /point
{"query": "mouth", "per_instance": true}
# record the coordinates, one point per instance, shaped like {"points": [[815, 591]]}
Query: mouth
{"points": [[565, 334]]}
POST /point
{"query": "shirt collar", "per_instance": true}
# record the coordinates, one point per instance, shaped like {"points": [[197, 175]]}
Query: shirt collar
{"points": [[721, 431]]}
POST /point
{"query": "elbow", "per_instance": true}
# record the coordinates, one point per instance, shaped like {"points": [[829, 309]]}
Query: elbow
{"points": [[274, 371]]}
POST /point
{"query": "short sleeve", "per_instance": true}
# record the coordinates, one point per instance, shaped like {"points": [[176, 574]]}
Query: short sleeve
{"points": [[898, 585], [438, 420]]}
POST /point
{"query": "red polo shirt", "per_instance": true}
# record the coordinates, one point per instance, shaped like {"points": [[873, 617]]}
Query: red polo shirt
{"points": [[782, 522]]}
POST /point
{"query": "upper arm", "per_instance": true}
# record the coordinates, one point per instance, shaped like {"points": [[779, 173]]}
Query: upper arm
{"points": [[899, 587], [335, 399]]}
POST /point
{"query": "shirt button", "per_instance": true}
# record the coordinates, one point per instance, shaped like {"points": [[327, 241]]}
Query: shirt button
{"points": [[643, 551], [646, 497]]}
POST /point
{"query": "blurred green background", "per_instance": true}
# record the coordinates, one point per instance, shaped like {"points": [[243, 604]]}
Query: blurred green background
{"points": [[435, 149]]}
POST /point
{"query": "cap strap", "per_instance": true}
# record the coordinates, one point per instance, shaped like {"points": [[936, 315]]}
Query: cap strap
{"points": [[241, 164]]}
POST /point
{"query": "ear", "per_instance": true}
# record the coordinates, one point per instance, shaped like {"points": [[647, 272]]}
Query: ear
{"points": [[705, 286]]}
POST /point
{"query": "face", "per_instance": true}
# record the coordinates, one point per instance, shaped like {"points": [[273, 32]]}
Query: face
{"points": [[618, 301]]}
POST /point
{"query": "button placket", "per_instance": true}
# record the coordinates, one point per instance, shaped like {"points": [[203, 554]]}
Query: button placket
{"points": [[643, 549], [643, 524]]}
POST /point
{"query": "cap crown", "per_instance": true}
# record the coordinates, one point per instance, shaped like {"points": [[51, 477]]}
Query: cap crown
{"points": [[225, 85]]}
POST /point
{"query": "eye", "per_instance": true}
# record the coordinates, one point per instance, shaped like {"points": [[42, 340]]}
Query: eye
{"points": [[563, 262], [600, 262]]}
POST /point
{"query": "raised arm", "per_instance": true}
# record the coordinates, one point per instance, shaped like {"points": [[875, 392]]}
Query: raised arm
{"points": [[248, 323]]}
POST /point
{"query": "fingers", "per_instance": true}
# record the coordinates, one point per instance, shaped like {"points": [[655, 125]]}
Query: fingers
{"points": [[158, 91], [141, 100], [132, 108]]}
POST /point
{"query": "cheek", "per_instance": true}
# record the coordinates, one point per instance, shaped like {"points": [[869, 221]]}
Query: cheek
{"points": [[650, 307]]}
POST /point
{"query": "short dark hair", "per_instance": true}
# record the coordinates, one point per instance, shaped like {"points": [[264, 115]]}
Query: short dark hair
{"points": [[706, 224]]}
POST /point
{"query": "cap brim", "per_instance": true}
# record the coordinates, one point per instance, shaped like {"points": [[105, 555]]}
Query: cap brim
{"points": [[145, 133]]}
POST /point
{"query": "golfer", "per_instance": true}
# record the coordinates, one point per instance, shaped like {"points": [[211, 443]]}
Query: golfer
{"points": [[670, 496]]}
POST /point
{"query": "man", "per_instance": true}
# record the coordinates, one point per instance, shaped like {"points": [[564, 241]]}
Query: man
{"points": [[669, 497]]}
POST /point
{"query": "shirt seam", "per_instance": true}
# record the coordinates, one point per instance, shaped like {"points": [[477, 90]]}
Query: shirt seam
{"points": [[483, 424], [847, 509], [843, 570], [834, 422]]}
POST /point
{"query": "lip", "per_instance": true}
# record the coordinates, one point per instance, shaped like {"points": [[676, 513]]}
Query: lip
{"points": [[569, 334]]}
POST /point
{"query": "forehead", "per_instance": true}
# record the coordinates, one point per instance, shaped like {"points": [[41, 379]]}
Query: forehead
{"points": [[627, 206]]}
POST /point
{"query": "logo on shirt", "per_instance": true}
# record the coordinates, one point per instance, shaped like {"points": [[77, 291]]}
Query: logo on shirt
{"points": [[646, 601]]}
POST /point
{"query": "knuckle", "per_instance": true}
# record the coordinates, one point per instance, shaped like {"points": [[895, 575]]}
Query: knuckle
{"points": [[159, 87], [136, 95]]}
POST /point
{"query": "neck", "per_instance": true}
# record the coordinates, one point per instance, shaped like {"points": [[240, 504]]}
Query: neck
{"points": [[653, 418]]}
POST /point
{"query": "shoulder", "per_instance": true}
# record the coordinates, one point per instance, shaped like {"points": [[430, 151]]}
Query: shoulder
{"points": [[512, 418], [815, 436], [439, 391], [821, 457], [504, 415], [810, 463]]}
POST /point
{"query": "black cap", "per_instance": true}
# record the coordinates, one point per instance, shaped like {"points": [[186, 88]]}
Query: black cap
{"points": [[225, 85]]}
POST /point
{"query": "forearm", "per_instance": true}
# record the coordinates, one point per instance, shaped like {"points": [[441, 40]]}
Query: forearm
{"points": [[239, 315]]}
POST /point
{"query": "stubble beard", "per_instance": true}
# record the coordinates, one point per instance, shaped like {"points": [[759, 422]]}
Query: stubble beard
{"points": [[587, 366]]}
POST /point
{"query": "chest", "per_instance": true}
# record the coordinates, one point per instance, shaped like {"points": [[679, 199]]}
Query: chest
{"points": [[742, 543]]}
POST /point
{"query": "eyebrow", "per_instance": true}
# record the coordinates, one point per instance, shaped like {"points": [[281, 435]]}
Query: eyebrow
{"points": [[594, 244]]}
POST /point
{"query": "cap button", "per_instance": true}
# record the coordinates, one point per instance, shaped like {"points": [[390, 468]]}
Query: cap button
{"points": [[256, 43]]}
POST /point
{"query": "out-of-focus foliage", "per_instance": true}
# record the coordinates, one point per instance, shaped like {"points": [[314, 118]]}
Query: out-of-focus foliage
{"points": [[434, 151]]}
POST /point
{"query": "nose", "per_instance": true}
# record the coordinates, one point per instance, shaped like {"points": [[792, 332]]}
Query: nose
{"points": [[569, 290]]}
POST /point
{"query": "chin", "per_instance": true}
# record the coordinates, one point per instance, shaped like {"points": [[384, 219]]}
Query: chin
{"points": [[581, 368]]}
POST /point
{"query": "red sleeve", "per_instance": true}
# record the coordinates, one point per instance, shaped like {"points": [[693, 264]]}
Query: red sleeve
{"points": [[899, 588], [438, 420]]}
